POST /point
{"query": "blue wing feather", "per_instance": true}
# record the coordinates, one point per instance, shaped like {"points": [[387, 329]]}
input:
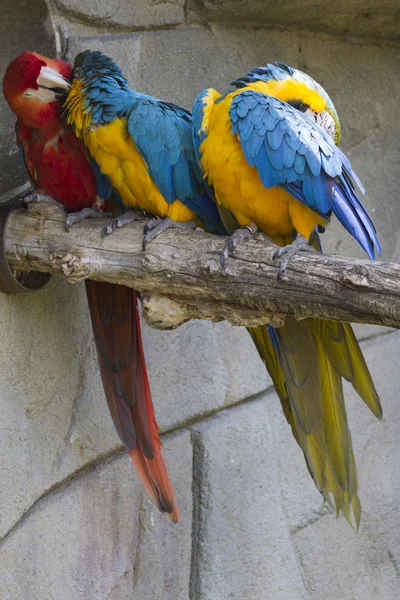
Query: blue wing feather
{"points": [[197, 120], [298, 155], [162, 134]]}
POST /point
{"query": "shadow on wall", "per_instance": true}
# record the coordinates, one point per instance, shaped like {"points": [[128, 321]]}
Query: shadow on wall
{"points": [[24, 25]]}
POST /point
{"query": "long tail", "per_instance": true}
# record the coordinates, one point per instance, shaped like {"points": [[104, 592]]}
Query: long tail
{"points": [[116, 328], [306, 361]]}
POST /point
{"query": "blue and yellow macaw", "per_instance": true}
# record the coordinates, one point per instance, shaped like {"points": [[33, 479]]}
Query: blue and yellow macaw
{"points": [[269, 156], [144, 146], [144, 149]]}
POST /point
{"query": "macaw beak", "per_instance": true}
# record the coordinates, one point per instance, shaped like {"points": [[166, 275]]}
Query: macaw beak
{"points": [[49, 79]]}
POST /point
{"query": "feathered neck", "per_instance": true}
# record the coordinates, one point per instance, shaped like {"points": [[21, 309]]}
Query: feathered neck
{"points": [[99, 92]]}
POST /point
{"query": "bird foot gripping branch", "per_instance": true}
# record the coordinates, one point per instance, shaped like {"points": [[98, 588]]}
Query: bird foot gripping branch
{"points": [[240, 235], [127, 217], [85, 213], [154, 227], [287, 253]]}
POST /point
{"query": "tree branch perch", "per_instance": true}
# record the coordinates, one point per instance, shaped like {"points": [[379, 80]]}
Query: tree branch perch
{"points": [[180, 278]]}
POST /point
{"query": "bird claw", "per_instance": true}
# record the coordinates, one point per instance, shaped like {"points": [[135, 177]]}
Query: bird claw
{"points": [[150, 224], [128, 217], [240, 235], [81, 215], [154, 227], [36, 198], [287, 253]]}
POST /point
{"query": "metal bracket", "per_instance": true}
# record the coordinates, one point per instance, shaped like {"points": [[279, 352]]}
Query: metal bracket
{"points": [[13, 281]]}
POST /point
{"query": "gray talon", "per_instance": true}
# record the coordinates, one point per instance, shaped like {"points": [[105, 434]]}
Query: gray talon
{"points": [[240, 235], [31, 198], [81, 215], [287, 253], [154, 227], [109, 228], [150, 224], [128, 217]]}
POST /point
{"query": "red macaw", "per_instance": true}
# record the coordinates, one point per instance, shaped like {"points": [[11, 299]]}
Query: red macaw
{"points": [[57, 164]]}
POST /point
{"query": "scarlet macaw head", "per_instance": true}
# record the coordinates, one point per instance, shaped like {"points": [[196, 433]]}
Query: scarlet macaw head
{"points": [[33, 86], [297, 89]]}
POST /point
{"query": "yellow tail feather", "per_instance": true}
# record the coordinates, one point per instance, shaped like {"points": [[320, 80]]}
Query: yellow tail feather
{"points": [[307, 372]]}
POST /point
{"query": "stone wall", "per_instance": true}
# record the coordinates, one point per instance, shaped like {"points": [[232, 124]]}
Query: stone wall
{"points": [[74, 521]]}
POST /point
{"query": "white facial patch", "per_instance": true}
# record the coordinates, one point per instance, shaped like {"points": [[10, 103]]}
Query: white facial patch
{"points": [[41, 95], [324, 120], [50, 84]]}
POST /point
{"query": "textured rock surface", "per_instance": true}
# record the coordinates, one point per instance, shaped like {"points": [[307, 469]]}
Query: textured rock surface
{"points": [[100, 537], [261, 532], [166, 63], [126, 13], [243, 546], [200, 368], [55, 417], [54, 414], [258, 531], [366, 566], [345, 17], [24, 25]]}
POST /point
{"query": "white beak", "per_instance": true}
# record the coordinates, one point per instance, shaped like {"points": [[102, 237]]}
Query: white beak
{"points": [[49, 79]]}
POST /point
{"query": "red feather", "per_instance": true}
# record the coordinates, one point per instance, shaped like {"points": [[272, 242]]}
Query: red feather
{"points": [[56, 162], [21, 75], [116, 328]]}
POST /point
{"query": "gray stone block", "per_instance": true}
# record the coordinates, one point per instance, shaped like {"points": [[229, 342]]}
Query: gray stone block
{"points": [[199, 368], [125, 13], [100, 537], [244, 549], [365, 18], [23, 26], [54, 413]]}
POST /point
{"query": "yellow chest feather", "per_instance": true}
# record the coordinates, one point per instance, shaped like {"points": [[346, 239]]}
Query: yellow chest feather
{"points": [[113, 149], [239, 188]]}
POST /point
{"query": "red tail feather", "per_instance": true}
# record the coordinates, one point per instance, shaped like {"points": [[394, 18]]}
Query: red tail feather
{"points": [[116, 328]]}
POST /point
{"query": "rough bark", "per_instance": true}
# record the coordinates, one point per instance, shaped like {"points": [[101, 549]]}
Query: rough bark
{"points": [[180, 277]]}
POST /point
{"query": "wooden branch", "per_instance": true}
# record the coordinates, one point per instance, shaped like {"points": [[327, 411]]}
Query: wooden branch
{"points": [[180, 278]]}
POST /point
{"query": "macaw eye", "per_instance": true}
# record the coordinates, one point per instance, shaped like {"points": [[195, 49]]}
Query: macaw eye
{"points": [[299, 105]]}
